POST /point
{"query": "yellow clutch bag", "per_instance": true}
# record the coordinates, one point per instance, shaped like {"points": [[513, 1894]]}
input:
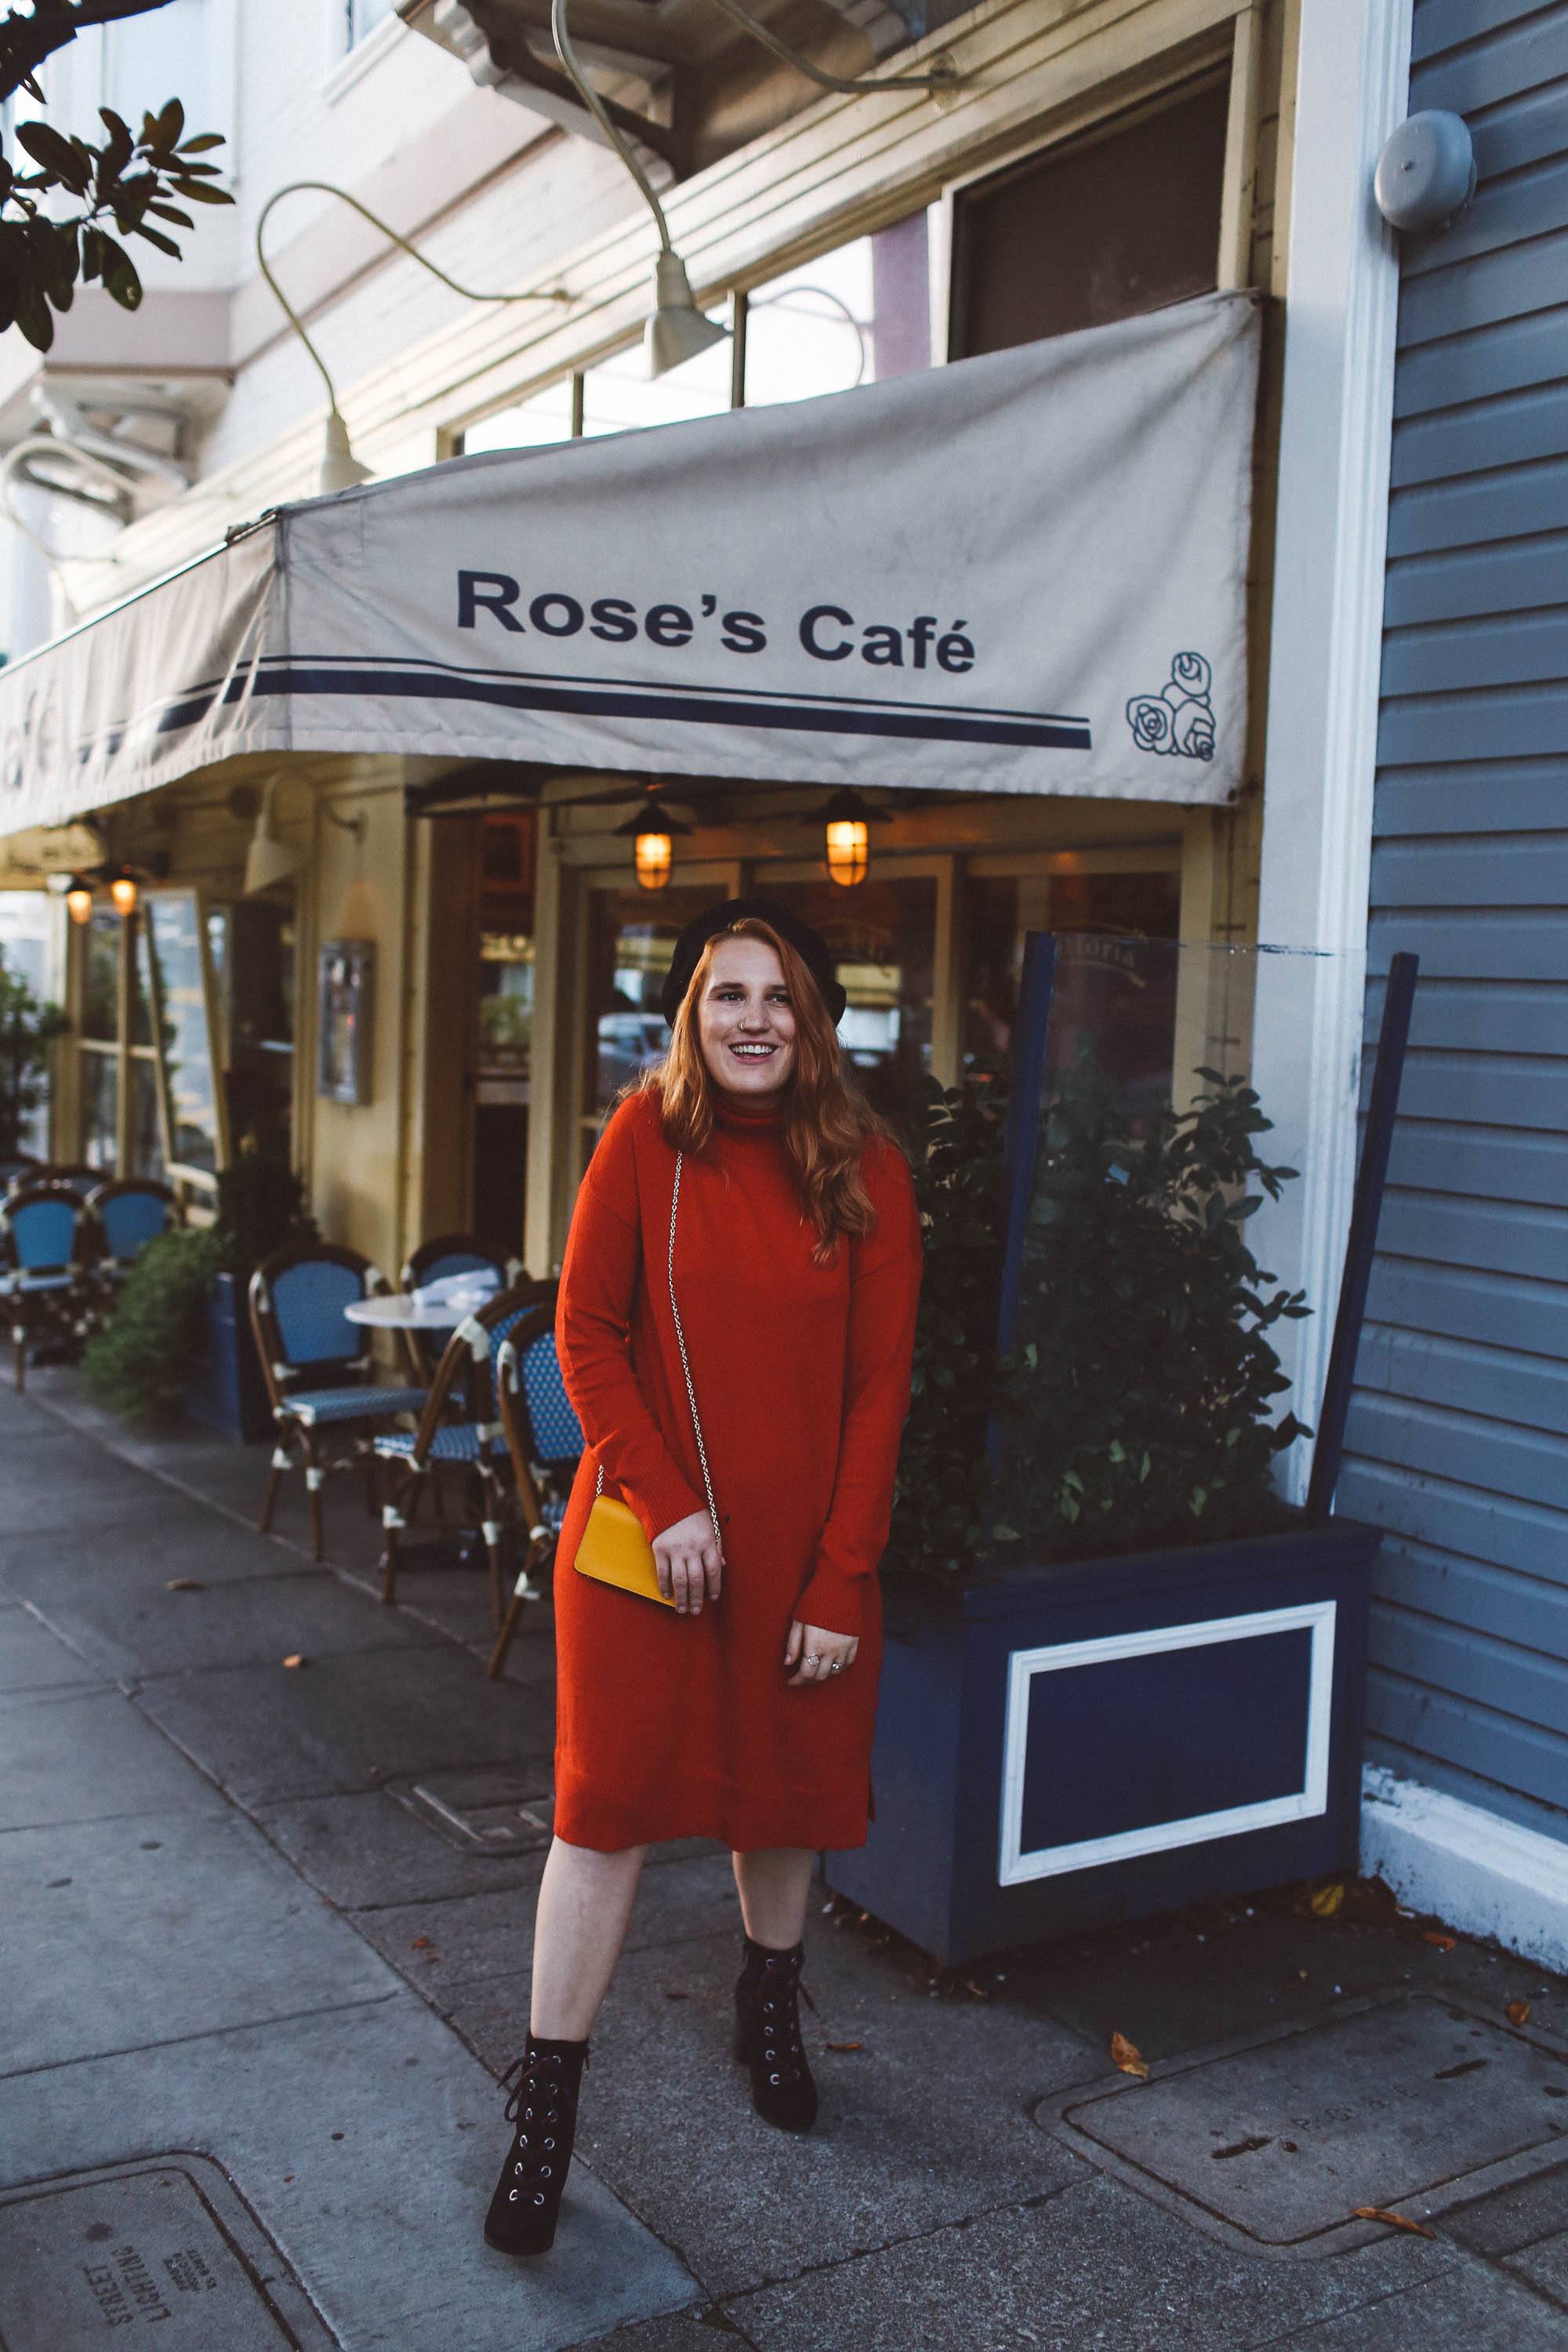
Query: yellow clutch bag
{"points": [[614, 1548]]}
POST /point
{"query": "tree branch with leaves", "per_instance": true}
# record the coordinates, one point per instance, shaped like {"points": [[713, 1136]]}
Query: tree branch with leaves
{"points": [[61, 222]]}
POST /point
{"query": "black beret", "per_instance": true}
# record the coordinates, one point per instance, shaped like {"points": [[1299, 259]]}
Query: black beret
{"points": [[807, 944]]}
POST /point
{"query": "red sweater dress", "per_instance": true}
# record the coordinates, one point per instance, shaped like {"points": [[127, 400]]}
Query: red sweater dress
{"points": [[674, 1726]]}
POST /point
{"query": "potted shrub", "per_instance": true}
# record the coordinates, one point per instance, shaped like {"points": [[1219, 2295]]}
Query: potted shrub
{"points": [[180, 1334], [260, 1206], [1119, 1673]]}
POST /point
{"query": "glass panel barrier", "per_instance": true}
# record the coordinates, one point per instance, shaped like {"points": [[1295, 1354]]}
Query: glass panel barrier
{"points": [[1155, 1108]]}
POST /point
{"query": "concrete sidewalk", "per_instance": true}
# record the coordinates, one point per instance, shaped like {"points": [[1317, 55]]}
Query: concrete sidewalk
{"points": [[267, 1928]]}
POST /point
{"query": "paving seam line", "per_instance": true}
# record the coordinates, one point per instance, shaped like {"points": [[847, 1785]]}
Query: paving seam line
{"points": [[208, 2033], [225, 1511]]}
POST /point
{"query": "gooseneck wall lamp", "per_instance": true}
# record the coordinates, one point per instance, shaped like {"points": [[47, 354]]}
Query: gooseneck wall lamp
{"points": [[339, 468], [677, 330]]}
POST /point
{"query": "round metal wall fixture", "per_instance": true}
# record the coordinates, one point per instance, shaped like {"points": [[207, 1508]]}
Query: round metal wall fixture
{"points": [[1427, 173]]}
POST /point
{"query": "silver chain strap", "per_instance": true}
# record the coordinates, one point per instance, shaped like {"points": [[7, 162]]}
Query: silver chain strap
{"points": [[685, 1366]]}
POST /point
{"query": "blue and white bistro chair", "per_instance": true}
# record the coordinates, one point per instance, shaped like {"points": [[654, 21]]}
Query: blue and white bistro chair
{"points": [[126, 1213], [317, 1368], [473, 1446], [544, 1440], [21, 1169], [44, 1250], [437, 1261]]}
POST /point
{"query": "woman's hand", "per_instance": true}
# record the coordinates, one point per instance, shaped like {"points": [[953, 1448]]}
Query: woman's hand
{"points": [[816, 1654], [689, 1563]]}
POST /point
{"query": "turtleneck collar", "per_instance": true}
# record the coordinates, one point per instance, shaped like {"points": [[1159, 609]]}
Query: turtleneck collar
{"points": [[736, 1118]]}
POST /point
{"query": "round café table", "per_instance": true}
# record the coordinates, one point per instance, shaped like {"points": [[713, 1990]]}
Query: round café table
{"points": [[398, 1311]]}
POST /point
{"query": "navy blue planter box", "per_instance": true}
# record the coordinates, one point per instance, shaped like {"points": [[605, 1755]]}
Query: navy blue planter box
{"points": [[1072, 1745], [226, 1388]]}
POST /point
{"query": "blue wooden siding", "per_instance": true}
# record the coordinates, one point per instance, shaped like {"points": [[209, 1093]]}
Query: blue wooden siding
{"points": [[1459, 1435]]}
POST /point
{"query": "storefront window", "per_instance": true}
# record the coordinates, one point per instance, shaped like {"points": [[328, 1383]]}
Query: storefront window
{"points": [[26, 920], [618, 395], [528, 424], [998, 909], [855, 316], [177, 941], [883, 938], [101, 1111], [146, 1127], [1123, 221], [253, 953], [631, 942], [100, 979]]}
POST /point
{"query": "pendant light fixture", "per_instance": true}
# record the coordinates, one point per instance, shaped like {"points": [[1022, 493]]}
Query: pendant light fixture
{"points": [[652, 835], [677, 330], [123, 892], [845, 821], [339, 468], [79, 899]]}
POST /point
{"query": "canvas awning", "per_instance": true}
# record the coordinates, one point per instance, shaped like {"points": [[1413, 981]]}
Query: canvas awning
{"points": [[1021, 574]]}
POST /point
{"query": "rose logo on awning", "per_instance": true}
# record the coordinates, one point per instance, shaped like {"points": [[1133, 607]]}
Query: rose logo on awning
{"points": [[1179, 720]]}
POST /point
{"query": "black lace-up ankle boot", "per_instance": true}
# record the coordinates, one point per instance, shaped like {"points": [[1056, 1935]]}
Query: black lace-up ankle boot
{"points": [[767, 2035], [545, 2084]]}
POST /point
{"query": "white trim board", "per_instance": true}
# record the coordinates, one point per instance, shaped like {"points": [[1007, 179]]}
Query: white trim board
{"points": [[1470, 1868], [1336, 423], [1015, 1866]]}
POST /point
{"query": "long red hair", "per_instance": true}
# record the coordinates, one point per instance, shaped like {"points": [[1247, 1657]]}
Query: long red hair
{"points": [[828, 1121]]}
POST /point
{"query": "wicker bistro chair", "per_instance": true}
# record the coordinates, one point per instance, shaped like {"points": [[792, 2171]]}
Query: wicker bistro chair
{"points": [[318, 1368], [44, 1259], [472, 1445], [126, 1214], [544, 1440], [449, 1254]]}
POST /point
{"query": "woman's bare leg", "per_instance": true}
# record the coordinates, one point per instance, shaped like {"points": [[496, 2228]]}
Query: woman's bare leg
{"points": [[772, 1885], [585, 1903]]}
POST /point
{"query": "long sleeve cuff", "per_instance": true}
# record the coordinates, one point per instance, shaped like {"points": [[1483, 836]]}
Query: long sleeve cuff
{"points": [[660, 1501], [832, 1601]]}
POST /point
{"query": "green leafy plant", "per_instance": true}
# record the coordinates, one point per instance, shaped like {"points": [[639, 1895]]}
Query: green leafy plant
{"points": [[138, 1363], [1137, 1409], [939, 1496], [261, 1207], [27, 1029], [123, 183]]}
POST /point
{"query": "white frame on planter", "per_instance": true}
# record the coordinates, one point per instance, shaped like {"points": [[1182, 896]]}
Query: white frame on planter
{"points": [[1015, 1866]]}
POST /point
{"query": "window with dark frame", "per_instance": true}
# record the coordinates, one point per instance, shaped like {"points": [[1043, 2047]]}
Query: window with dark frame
{"points": [[1123, 221]]}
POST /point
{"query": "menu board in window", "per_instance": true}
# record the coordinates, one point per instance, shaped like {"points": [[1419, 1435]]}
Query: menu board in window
{"points": [[181, 980]]}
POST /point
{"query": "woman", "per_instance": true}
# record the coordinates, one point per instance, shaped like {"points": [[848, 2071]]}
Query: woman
{"points": [[745, 1711]]}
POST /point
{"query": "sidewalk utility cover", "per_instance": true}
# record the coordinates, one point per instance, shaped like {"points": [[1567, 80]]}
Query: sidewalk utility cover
{"points": [[165, 2245], [1414, 2104]]}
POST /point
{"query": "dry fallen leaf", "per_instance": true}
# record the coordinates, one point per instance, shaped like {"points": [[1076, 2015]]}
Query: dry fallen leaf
{"points": [[296, 1660], [1430, 1935], [420, 1944], [671, 1994], [846, 2046], [184, 1584], [1518, 2012], [1128, 2057], [1393, 2220], [1324, 1901]]}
